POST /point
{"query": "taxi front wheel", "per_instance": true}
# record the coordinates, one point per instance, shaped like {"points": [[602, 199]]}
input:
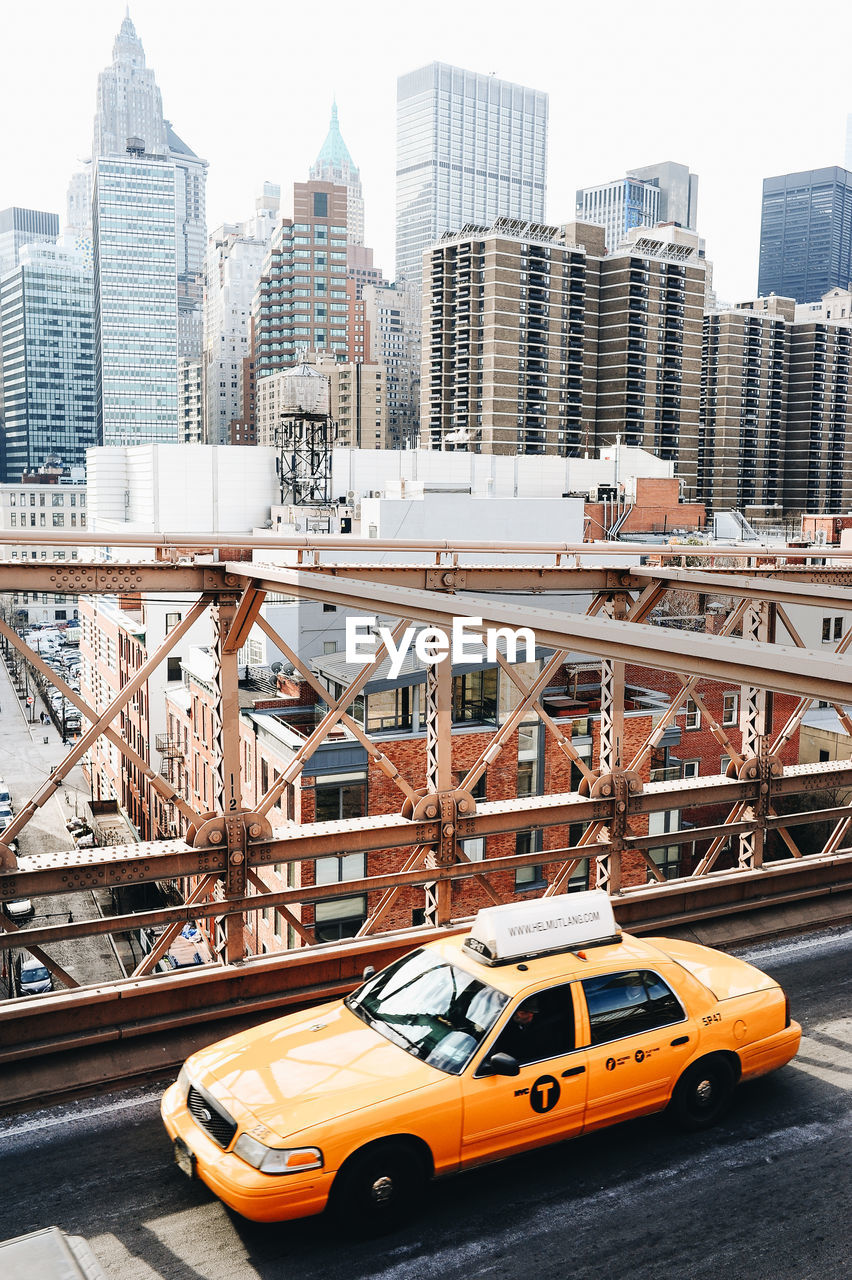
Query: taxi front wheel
{"points": [[379, 1187], [702, 1093]]}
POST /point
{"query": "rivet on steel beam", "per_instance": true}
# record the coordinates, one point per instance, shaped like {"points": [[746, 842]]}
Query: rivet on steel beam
{"points": [[448, 828], [431, 811], [462, 806], [236, 859], [621, 806], [255, 830], [215, 837]]}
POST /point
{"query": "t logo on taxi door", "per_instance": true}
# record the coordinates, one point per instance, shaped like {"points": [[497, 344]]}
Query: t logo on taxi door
{"points": [[544, 1094]]}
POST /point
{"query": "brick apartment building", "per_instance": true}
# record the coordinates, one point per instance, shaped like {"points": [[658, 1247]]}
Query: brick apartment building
{"points": [[342, 781]]}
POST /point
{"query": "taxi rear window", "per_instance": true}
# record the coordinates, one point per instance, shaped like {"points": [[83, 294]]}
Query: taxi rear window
{"points": [[436, 1011]]}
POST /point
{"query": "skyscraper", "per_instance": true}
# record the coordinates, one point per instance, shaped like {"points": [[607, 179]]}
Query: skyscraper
{"points": [[806, 234], [334, 164], [301, 300], [48, 390], [129, 103], [665, 192], [235, 256], [470, 148], [130, 106], [24, 226], [136, 315], [618, 206]]}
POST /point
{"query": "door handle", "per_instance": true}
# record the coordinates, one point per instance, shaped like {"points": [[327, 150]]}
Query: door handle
{"points": [[573, 1071], [681, 1040]]}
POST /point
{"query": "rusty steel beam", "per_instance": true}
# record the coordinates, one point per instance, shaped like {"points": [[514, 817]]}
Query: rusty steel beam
{"points": [[738, 584], [728, 659], [80, 577], [178, 542]]}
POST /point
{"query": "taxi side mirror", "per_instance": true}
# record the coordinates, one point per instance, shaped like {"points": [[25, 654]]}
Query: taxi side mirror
{"points": [[500, 1064]]}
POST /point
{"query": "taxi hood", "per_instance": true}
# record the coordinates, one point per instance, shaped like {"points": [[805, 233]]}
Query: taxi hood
{"points": [[305, 1069]]}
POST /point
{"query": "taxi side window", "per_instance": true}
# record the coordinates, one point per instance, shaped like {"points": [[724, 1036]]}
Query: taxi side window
{"points": [[541, 1027], [623, 1004]]}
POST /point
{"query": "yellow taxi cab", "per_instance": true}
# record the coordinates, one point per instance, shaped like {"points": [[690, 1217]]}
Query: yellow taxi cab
{"points": [[544, 1022]]}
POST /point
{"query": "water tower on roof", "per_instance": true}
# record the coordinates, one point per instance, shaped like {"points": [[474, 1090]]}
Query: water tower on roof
{"points": [[305, 436]]}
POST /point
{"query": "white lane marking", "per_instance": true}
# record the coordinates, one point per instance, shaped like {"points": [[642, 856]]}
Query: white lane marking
{"points": [[12, 1128]]}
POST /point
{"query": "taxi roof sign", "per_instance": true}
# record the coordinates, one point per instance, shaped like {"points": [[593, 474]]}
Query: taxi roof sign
{"points": [[521, 929]]}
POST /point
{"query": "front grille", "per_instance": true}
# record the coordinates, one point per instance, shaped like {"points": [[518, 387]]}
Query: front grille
{"points": [[212, 1119]]}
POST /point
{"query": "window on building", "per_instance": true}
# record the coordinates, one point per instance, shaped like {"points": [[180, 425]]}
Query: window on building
{"points": [[730, 708], [320, 204], [528, 877], [693, 715], [690, 768], [173, 669], [329, 646], [390, 709], [172, 620], [340, 796], [527, 759], [475, 696]]}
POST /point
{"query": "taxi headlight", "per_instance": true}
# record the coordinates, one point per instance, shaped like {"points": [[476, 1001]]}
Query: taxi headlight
{"points": [[276, 1159], [183, 1082]]}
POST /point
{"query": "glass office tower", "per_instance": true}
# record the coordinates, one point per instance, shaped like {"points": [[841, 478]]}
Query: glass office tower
{"points": [[136, 299], [46, 334], [470, 148], [806, 234]]}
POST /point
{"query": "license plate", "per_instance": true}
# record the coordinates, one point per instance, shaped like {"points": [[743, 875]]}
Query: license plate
{"points": [[184, 1158]]}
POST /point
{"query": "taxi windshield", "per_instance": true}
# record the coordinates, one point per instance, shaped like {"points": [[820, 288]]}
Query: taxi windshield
{"points": [[432, 1009]]}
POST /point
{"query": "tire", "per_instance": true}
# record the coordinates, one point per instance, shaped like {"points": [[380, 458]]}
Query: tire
{"points": [[703, 1093], [379, 1188]]}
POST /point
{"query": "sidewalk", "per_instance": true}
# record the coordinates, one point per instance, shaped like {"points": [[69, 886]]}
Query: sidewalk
{"points": [[29, 752]]}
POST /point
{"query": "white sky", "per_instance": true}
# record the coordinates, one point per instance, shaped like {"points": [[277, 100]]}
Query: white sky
{"points": [[736, 89]]}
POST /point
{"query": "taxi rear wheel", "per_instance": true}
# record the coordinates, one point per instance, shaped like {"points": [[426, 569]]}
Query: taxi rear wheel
{"points": [[703, 1092], [379, 1187]]}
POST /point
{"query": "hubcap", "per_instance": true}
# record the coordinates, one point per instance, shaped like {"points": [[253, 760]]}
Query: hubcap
{"points": [[382, 1189], [704, 1092]]}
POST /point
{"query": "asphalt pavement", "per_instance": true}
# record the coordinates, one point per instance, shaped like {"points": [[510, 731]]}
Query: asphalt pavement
{"points": [[765, 1195]]}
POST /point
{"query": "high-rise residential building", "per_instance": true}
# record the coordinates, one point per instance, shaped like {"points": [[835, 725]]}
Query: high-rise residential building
{"points": [[334, 164], [470, 149], [19, 227], [535, 340], [301, 301], [393, 314], [618, 206], [48, 367], [806, 234], [136, 307], [665, 192], [509, 334], [235, 256], [650, 345], [818, 441], [743, 409], [190, 400]]}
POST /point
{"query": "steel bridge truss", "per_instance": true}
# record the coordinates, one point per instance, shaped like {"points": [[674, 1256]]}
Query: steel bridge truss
{"points": [[225, 850]]}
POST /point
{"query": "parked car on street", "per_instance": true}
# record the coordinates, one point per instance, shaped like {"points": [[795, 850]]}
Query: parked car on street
{"points": [[33, 978]]}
